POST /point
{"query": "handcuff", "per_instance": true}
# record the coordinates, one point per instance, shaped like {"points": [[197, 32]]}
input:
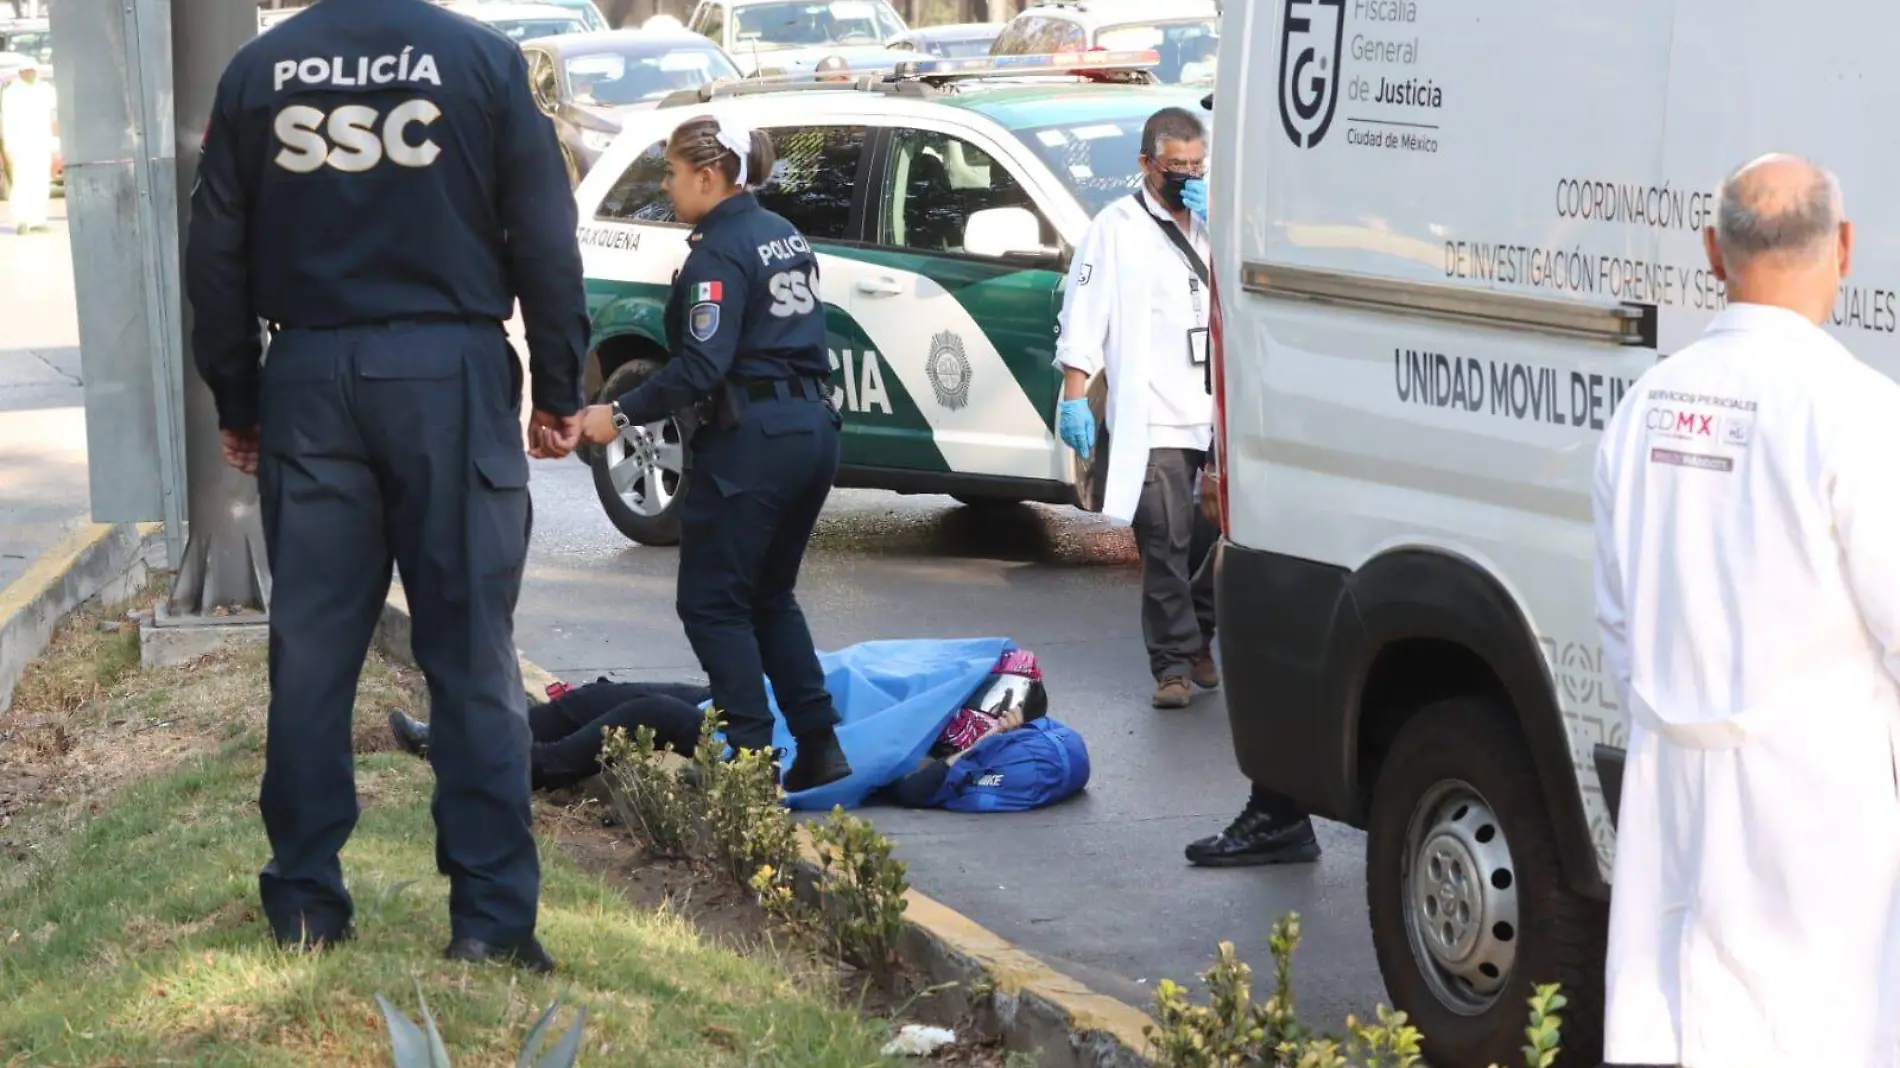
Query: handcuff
{"points": [[621, 422]]}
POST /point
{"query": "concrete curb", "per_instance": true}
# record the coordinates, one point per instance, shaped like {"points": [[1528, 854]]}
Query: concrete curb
{"points": [[102, 560], [1012, 996]]}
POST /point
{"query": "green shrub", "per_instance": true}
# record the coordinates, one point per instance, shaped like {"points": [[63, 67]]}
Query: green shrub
{"points": [[746, 819], [411, 1046], [654, 799], [864, 890], [1230, 1031]]}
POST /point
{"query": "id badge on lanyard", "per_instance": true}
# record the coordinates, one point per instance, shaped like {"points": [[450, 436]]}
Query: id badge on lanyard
{"points": [[1197, 337]]}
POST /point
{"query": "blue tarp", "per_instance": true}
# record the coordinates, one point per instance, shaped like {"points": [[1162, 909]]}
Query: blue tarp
{"points": [[894, 698]]}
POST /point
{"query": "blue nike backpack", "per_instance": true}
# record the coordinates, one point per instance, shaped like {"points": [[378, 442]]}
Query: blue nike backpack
{"points": [[1039, 764]]}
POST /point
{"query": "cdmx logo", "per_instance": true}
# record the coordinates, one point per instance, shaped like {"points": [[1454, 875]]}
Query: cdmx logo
{"points": [[1312, 35]]}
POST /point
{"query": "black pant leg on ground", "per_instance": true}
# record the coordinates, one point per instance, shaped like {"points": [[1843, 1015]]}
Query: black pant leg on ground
{"points": [[576, 757], [1273, 803], [752, 503], [1164, 524], [436, 405], [323, 520]]}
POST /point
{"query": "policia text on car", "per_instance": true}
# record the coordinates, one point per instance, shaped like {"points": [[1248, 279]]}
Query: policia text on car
{"points": [[748, 335], [384, 227]]}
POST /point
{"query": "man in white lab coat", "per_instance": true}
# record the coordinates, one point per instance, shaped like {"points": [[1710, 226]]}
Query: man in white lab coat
{"points": [[26, 130], [1136, 310], [1748, 598]]}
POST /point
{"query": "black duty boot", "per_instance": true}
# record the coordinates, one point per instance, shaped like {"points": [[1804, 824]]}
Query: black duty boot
{"points": [[412, 735], [1257, 838], [820, 762], [528, 956]]}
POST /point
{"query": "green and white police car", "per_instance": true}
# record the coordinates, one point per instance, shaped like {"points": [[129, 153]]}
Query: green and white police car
{"points": [[943, 200]]}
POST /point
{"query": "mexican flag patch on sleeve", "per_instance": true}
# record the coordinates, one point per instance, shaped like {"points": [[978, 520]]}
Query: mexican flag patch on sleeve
{"points": [[707, 291]]}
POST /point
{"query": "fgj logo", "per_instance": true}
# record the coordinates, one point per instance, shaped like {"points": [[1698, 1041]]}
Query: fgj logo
{"points": [[1311, 37]]}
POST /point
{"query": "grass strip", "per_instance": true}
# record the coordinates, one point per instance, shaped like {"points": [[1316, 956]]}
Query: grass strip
{"points": [[130, 934]]}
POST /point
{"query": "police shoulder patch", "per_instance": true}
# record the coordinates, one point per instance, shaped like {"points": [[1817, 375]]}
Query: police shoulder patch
{"points": [[703, 320]]}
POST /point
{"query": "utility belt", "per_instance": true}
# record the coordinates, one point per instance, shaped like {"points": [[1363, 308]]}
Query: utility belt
{"points": [[725, 408]]}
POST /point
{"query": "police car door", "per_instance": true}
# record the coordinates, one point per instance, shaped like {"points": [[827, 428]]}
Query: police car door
{"points": [[814, 184], [967, 339]]}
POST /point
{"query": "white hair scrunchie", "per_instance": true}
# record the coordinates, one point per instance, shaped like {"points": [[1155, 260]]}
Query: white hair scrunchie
{"points": [[739, 140]]}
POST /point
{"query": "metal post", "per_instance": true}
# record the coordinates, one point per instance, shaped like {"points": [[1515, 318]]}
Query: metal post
{"points": [[224, 563]]}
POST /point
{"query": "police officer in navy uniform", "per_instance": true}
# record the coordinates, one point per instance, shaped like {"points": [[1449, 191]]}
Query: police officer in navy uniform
{"points": [[379, 187], [748, 335]]}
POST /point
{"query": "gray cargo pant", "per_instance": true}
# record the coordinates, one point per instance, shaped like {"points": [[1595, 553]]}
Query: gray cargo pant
{"points": [[1176, 543]]}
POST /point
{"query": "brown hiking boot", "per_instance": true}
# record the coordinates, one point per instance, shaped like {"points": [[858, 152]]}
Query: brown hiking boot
{"points": [[1204, 672], [1173, 692]]}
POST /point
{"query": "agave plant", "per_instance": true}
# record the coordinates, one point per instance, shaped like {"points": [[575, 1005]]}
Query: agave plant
{"points": [[415, 1047]]}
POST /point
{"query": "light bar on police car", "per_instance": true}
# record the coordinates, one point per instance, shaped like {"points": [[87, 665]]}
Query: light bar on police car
{"points": [[1058, 63]]}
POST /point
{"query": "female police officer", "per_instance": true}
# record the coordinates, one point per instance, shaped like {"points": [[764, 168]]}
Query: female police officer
{"points": [[748, 336]]}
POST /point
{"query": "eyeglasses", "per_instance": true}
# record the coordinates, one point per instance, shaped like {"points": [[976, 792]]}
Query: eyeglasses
{"points": [[1197, 169]]}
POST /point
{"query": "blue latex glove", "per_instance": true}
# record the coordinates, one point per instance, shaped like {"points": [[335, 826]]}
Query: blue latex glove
{"points": [[1076, 424], [1194, 194]]}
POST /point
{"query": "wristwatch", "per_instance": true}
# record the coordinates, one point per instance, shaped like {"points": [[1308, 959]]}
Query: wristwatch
{"points": [[621, 422]]}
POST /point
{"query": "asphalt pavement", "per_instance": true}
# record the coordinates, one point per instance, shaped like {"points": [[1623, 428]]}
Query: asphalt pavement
{"points": [[43, 489], [1097, 887]]}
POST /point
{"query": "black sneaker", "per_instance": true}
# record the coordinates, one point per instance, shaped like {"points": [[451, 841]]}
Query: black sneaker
{"points": [[412, 735], [820, 762], [528, 956], [1256, 838]]}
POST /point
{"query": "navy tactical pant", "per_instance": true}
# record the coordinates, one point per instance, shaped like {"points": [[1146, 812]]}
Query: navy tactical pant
{"points": [[396, 444], [757, 490]]}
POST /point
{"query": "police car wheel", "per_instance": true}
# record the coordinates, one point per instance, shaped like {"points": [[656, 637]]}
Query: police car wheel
{"points": [[1470, 910], [641, 477]]}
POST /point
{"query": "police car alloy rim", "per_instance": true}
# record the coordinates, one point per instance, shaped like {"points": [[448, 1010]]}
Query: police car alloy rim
{"points": [[646, 464], [1461, 908]]}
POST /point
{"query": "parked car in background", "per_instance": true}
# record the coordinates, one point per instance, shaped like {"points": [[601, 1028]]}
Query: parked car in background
{"points": [[1184, 33], [523, 22], [791, 36], [962, 40], [587, 83], [585, 10]]}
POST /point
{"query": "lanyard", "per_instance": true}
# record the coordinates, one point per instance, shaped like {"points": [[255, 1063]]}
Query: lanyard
{"points": [[1185, 250]]}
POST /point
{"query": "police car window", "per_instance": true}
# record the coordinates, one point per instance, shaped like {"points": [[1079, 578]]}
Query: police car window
{"points": [[812, 180], [1016, 38], [1187, 48], [934, 184], [639, 195], [1098, 161], [803, 24]]}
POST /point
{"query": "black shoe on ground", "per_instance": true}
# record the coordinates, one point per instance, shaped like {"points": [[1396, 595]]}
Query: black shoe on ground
{"points": [[412, 735], [820, 762], [1256, 838], [528, 956]]}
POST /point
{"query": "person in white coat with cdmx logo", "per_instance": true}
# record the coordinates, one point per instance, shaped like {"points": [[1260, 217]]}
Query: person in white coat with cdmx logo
{"points": [[1748, 597]]}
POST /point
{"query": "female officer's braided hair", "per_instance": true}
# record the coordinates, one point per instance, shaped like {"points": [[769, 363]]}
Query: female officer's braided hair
{"points": [[696, 141]]}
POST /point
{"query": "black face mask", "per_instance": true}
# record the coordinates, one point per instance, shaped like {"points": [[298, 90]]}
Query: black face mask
{"points": [[1173, 190]]}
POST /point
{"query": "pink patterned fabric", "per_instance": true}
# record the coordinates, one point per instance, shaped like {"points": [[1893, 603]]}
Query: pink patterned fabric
{"points": [[967, 728], [1019, 662]]}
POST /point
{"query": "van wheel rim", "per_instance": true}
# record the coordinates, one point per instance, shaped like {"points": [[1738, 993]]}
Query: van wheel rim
{"points": [[1461, 907], [646, 464]]}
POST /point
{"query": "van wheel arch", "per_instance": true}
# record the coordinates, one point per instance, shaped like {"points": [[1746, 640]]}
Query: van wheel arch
{"points": [[1437, 626]]}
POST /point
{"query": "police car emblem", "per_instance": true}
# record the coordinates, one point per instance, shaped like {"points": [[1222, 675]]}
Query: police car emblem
{"points": [[704, 320], [949, 370]]}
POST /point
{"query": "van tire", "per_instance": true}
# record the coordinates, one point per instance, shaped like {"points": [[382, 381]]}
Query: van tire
{"points": [[662, 528], [1470, 744]]}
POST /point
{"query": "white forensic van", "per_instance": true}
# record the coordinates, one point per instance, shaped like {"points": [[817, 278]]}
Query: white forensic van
{"points": [[1449, 238]]}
